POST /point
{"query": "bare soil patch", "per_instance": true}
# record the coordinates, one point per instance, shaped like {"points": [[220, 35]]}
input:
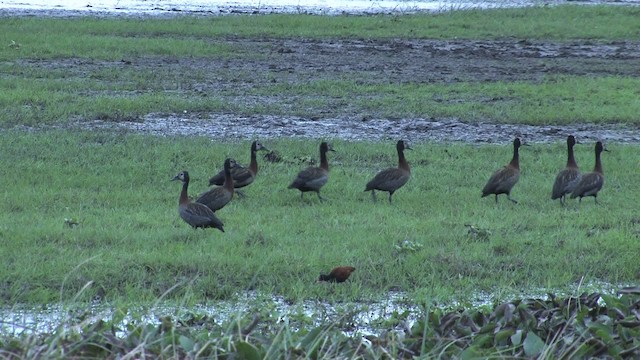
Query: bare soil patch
{"points": [[375, 61]]}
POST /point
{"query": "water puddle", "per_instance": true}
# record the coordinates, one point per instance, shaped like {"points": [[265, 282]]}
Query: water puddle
{"points": [[322, 7], [230, 126], [364, 318]]}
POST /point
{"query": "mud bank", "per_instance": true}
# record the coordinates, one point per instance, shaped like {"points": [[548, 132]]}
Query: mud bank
{"points": [[356, 129]]}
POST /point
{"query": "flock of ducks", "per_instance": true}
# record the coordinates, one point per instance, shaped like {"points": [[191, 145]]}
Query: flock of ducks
{"points": [[569, 181], [201, 212]]}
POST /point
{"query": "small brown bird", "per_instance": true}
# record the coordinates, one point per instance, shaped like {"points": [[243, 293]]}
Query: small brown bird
{"points": [[216, 198], [392, 179], [195, 214], [242, 176], [502, 181], [339, 274], [314, 178], [569, 177], [592, 182]]}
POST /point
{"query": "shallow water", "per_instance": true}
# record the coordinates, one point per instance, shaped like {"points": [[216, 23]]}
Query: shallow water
{"points": [[364, 318], [325, 7], [232, 126]]}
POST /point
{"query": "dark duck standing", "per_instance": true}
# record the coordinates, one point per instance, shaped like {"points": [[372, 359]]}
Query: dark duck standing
{"points": [[242, 176], [195, 214], [339, 274], [392, 179], [567, 178], [216, 198], [502, 181], [592, 182], [314, 178]]}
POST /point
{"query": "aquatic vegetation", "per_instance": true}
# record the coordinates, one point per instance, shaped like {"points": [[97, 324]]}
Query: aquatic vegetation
{"points": [[589, 325]]}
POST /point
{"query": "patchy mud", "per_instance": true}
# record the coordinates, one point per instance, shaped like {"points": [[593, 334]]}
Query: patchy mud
{"points": [[416, 130], [294, 61]]}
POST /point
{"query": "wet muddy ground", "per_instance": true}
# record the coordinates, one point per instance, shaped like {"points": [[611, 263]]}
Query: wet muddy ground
{"points": [[376, 61]]}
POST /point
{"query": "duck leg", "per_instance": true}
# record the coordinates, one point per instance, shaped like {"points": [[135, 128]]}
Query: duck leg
{"points": [[513, 200], [373, 196]]}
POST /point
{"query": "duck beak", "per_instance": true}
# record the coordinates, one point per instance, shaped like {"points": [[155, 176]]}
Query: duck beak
{"points": [[175, 178]]}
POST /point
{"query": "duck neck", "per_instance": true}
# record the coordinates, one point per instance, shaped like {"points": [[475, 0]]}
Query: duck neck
{"points": [[228, 179], [598, 167], [515, 161], [571, 161], [253, 164], [402, 162], [324, 164], [184, 198]]}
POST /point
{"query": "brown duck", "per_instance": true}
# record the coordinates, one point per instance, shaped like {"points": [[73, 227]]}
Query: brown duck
{"points": [[314, 178], [338, 274], [392, 179], [592, 182], [216, 198], [195, 214], [242, 176], [567, 178], [503, 180]]}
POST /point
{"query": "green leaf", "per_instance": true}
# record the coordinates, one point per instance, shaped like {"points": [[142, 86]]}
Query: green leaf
{"points": [[483, 340], [516, 338], [471, 353], [532, 345], [247, 351], [310, 341], [502, 336], [186, 343]]}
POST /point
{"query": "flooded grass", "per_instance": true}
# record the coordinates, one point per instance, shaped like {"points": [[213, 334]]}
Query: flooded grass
{"points": [[89, 216], [588, 325]]}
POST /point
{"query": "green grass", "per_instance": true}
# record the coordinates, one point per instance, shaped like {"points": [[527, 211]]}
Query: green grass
{"points": [[132, 245], [36, 96], [111, 38], [67, 69]]}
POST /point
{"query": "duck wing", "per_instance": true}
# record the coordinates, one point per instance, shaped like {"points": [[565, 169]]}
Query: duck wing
{"points": [[388, 179], [501, 181], [565, 182], [313, 177]]}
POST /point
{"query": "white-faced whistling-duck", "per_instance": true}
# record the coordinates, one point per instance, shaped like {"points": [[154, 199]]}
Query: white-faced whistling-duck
{"points": [[216, 198], [567, 178], [592, 182], [392, 179], [242, 176], [502, 181], [195, 214], [339, 274], [313, 178]]}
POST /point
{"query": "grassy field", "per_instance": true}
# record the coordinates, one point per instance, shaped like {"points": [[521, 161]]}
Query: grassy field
{"points": [[188, 35], [64, 69], [86, 214], [131, 244]]}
